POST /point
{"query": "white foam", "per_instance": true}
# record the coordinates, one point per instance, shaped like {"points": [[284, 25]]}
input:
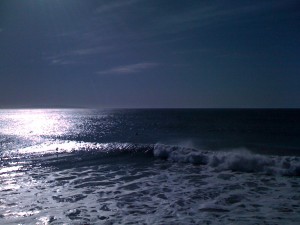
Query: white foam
{"points": [[237, 160], [240, 160], [150, 192]]}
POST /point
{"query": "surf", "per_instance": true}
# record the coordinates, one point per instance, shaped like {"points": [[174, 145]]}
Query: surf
{"points": [[71, 152]]}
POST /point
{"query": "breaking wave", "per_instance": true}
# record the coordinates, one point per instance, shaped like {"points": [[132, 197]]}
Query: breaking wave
{"points": [[235, 160]]}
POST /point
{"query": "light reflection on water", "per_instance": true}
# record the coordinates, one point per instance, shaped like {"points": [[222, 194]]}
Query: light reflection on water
{"points": [[31, 125], [62, 147], [78, 185], [17, 184], [46, 131], [9, 169], [32, 122]]}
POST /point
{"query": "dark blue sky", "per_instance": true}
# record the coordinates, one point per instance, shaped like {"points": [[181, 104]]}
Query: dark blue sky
{"points": [[149, 53]]}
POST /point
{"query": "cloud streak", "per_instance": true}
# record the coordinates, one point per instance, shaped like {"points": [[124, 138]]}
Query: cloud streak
{"points": [[75, 56], [142, 23], [87, 51], [129, 69], [114, 29], [214, 13], [109, 6]]}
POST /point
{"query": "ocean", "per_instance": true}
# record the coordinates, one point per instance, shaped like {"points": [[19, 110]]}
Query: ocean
{"points": [[150, 166]]}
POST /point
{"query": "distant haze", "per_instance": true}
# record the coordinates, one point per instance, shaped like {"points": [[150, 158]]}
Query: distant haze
{"points": [[149, 53]]}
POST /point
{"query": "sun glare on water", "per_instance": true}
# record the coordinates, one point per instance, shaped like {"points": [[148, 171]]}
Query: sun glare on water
{"points": [[35, 122]]}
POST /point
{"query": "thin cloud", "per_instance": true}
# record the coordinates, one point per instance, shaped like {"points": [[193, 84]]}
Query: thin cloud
{"points": [[107, 7], [70, 57], [129, 69], [61, 62], [88, 51], [212, 13]]}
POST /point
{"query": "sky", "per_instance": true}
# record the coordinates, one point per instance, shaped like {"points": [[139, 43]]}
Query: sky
{"points": [[150, 53]]}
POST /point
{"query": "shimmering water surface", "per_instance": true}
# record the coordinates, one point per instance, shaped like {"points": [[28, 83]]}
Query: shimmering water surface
{"points": [[78, 166]]}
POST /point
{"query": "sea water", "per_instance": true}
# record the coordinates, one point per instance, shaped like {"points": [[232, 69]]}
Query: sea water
{"points": [[208, 166]]}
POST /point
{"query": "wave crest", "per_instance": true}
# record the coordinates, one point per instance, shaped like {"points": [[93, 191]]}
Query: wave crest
{"points": [[85, 152], [239, 161]]}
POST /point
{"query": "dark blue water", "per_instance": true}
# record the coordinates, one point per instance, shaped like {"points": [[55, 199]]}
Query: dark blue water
{"points": [[274, 131], [153, 166], [267, 130]]}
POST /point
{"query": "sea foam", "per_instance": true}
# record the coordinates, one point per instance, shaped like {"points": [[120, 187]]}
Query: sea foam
{"points": [[238, 160], [235, 160]]}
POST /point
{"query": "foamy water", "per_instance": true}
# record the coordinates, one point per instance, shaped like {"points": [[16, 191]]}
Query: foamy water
{"points": [[71, 177]]}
